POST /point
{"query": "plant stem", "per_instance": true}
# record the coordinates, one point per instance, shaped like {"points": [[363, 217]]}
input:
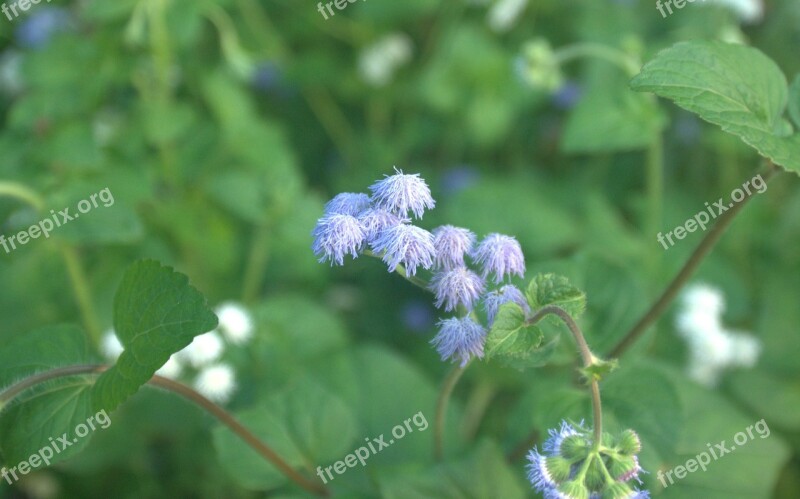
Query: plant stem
{"points": [[83, 295], [256, 262], [686, 272], [19, 191], [401, 270], [218, 412], [588, 361], [589, 49], [441, 409], [477, 404], [655, 189]]}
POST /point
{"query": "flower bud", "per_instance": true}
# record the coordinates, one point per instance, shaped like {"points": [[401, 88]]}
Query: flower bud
{"points": [[559, 468], [623, 468], [618, 490], [573, 490], [595, 473], [574, 448], [629, 443]]}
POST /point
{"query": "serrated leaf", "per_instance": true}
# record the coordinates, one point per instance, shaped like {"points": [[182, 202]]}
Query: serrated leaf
{"points": [[512, 341], [794, 101], [156, 313], [305, 424], [733, 86], [551, 289]]}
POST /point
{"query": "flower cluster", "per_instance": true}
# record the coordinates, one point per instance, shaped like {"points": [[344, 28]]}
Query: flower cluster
{"points": [[380, 224], [712, 347], [570, 466], [214, 379]]}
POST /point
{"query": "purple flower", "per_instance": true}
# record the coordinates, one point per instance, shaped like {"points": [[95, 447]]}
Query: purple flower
{"points": [[400, 193], [337, 235], [376, 220], [405, 244], [567, 95], [36, 30], [508, 293], [451, 244], [501, 255], [538, 474], [348, 203], [459, 286], [459, 338], [552, 445]]}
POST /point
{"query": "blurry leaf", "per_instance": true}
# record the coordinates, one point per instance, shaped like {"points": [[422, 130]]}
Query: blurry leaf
{"points": [[794, 101], [748, 471], [609, 119], [156, 313], [733, 86], [776, 399], [483, 474], [50, 409], [511, 341], [306, 425], [551, 289], [165, 123]]}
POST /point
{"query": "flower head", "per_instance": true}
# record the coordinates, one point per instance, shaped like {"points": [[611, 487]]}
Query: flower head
{"points": [[203, 350], [402, 192], [459, 286], [451, 244], [459, 338], [235, 322], [337, 235], [348, 203], [506, 294], [500, 255], [405, 244], [376, 220], [216, 382]]}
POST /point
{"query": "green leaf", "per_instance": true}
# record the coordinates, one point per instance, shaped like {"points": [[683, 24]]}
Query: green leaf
{"points": [[305, 424], [48, 410], [733, 86], [156, 313], [551, 289], [599, 369], [794, 101], [483, 473], [513, 342]]}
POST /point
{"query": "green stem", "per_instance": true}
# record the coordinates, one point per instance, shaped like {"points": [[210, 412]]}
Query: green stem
{"points": [[589, 49], [588, 361], [655, 189], [441, 409], [256, 263], [83, 295], [23, 193], [401, 270], [477, 404], [218, 412], [688, 270]]}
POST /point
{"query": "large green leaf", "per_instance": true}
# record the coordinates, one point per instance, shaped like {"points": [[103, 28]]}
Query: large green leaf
{"points": [[305, 424], [733, 86], [551, 289], [156, 313], [49, 410], [512, 341]]}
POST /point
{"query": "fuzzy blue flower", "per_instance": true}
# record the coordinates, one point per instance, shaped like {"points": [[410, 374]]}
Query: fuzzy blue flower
{"points": [[552, 445], [335, 236], [538, 474], [500, 255], [348, 203], [459, 286], [376, 220], [451, 244], [459, 338], [407, 245], [402, 192], [506, 294]]}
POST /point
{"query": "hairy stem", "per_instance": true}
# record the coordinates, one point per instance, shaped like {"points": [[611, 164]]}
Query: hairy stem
{"points": [[688, 270], [218, 412], [586, 355], [441, 409]]}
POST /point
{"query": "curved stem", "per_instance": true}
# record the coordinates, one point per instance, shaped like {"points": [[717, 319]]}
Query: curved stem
{"points": [[401, 270], [441, 409], [218, 412], [19, 191], [588, 360], [83, 295], [600, 51], [689, 268]]}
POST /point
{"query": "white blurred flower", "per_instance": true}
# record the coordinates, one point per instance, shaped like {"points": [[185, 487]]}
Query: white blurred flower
{"points": [[204, 349], [172, 369], [702, 297], [504, 14], [11, 78], [217, 382], [110, 346], [748, 11], [378, 62], [235, 322], [745, 349]]}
